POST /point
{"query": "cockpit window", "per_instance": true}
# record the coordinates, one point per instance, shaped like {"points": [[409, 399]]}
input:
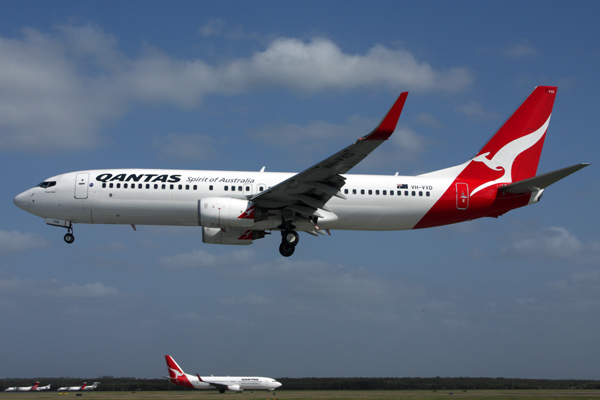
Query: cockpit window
{"points": [[47, 184]]}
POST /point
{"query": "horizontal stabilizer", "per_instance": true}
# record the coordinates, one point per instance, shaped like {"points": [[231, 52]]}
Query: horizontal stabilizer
{"points": [[541, 181]]}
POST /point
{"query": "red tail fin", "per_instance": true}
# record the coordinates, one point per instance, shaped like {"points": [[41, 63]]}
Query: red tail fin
{"points": [[176, 374], [513, 153]]}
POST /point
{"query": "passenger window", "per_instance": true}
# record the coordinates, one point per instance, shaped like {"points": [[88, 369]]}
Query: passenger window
{"points": [[384, 192], [147, 186], [104, 184], [209, 188], [140, 186], [156, 186], [239, 188], [362, 191], [413, 193], [110, 185], [226, 188], [260, 189], [232, 189], [180, 187], [420, 193], [124, 186], [187, 187], [196, 187], [370, 191], [377, 192], [345, 191], [353, 191], [247, 188], [406, 192], [391, 192], [171, 187], [163, 186], [427, 194]]}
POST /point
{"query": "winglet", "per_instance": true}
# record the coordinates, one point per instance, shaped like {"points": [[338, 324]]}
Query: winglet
{"points": [[389, 122]]}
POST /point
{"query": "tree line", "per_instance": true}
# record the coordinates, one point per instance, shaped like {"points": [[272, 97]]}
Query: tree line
{"points": [[109, 383]]}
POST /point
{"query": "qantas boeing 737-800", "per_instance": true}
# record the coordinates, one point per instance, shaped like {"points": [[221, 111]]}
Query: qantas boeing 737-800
{"points": [[236, 384], [236, 208]]}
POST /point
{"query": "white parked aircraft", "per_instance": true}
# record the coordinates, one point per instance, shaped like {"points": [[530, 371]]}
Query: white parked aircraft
{"points": [[78, 388], [236, 208], [235, 384], [42, 388], [23, 388]]}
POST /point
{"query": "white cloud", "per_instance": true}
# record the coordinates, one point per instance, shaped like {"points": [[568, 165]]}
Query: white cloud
{"points": [[428, 120], [553, 242], [512, 51], [203, 259], [475, 112], [15, 241], [56, 90], [55, 289], [190, 147]]}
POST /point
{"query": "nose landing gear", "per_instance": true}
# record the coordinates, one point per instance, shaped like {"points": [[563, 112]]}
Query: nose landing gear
{"points": [[289, 240]]}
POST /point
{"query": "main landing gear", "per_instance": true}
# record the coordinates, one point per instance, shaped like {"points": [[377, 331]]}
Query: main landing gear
{"points": [[69, 238], [289, 240]]}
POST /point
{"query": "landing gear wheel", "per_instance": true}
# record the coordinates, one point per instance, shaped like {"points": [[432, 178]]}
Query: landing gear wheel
{"points": [[285, 250], [69, 238], [290, 238]]}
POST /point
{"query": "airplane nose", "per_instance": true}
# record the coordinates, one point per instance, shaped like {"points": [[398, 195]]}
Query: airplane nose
{"points": [[22, 200]]}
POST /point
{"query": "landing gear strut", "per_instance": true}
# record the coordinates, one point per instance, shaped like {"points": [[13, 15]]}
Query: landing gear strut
{"points": [[69, 238], [289, 240]]}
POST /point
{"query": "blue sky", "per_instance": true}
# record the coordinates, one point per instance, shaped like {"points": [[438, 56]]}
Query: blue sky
{"points": [[242, 85]]}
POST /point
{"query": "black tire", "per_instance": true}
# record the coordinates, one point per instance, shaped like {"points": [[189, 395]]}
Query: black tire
{"points": [[290, 238], [286, 251], [69, 238]]}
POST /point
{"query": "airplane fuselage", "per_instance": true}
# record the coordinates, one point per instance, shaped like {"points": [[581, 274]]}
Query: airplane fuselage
{"points": [[173, 197]]}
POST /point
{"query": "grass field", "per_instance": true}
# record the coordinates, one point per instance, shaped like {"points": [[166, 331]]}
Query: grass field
{"points": [[326, 394]]}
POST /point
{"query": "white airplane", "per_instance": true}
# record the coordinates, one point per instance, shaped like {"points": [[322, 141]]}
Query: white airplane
{"points": [[42, 388], [78, 388], [236, 208], [236, 384], [22, 388]]}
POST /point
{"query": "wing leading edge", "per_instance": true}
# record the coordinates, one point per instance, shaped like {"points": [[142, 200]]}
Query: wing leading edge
{"points": [[309, 190]]}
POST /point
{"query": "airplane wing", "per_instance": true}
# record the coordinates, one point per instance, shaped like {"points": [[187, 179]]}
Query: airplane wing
{"points": [[541, 181], [312, 188], [216, 385]]}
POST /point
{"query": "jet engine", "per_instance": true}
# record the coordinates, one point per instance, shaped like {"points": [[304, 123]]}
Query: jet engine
{"points": [[222, 212], [234, 236], [235, 388]]}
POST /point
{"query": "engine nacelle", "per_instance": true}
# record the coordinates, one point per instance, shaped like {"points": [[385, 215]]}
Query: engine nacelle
{"points": [[231, 236], [223, 212], [235, 388]]}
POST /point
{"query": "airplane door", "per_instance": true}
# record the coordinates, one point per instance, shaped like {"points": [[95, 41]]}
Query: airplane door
{"points": [[81, 186], [462, 196]]}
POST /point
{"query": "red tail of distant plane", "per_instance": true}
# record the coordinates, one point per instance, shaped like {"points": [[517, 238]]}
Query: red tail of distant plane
{"points": [[35, 386], [176, 374]]}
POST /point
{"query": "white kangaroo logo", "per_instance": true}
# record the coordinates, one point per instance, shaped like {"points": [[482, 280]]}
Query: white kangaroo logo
{"points": [[505, 157]]}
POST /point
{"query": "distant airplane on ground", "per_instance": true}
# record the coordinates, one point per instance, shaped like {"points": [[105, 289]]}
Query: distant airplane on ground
{"points": [[236, 208], [235, 384], [78, 388], [22, 388], [42, 388]]}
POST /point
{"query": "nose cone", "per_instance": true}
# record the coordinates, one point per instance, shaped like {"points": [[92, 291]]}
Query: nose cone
{"points": [[22, 201], [276, 384]]}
